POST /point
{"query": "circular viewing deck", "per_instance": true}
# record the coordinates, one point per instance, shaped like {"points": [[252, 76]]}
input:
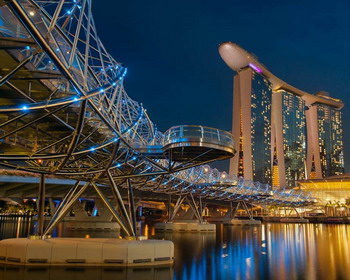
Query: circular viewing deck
{"points": [[198, 143]]}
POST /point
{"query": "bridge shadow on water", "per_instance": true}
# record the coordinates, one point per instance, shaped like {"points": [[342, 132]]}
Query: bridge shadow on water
{"points": [[272, 251]]}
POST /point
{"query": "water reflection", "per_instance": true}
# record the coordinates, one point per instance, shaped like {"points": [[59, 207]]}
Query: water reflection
{"points": [[233, 253], [61, 273], [11, 227], [272, 251]]}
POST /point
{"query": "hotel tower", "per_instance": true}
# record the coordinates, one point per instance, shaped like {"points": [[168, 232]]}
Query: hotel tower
{"points": [[282, 134]]}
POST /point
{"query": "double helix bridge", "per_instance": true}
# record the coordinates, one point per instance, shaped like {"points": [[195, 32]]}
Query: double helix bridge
{"points": [[65, 113]]}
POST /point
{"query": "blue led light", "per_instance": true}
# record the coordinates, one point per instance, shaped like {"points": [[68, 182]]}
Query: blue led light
{"points": [[94, 213], [24, 107], [102, 90], [27, 47], [75, 98], [118, 165], [92, 149], [133, 158]]}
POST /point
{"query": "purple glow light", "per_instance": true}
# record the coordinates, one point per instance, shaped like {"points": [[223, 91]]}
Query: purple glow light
{"points": [[254, 67]]}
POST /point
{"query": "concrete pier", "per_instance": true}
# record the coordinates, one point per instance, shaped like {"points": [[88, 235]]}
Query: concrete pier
{"points": [[237, 222], [294, 220], [285, 220], [92, 226], [86, 252], [185, 226]]}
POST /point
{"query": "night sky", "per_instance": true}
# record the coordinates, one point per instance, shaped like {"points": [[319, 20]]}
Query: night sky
{"points": [[171, 51]]}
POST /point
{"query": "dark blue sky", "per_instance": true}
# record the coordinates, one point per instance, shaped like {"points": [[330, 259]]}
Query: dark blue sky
{"points": [[171, 51]]}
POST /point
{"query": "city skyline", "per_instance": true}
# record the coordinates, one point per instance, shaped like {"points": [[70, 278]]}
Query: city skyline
{"points": [[177, 57], [282, 134]]}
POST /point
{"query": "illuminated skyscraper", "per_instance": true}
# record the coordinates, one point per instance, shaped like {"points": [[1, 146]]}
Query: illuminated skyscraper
{"points": [[253, 125], [282, 134], [289, 136], [326, 141]]}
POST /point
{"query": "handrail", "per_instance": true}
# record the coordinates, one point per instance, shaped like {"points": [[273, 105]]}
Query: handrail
{"points": [[201, 133]]}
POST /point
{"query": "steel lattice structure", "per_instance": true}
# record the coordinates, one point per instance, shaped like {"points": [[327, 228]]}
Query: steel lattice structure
{"points": [[64, 112]]}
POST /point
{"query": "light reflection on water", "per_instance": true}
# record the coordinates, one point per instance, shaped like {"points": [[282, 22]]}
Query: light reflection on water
{"points": [[272, 251]]}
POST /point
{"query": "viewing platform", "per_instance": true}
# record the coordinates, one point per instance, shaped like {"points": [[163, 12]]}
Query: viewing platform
{"points": [[193, 143], [197, 143]]}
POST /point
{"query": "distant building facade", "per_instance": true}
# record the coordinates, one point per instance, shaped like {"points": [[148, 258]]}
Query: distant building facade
{"points": [[325, 153], [254, 126], [333, 189], [294, 136], [282, 134]]}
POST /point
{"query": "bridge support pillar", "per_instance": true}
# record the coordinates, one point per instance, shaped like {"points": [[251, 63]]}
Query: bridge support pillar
{"points": [[52, 205], [66, 204], [169, 208], [248, 211], [41, 206], [291, 219], [176, 209], [120, 201], [230, 218], [190, 221], [132, 210], [111, 209], [82, 221]]}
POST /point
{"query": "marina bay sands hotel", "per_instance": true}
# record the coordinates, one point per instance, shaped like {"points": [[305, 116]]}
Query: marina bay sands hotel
{"points": [[282, 134]]}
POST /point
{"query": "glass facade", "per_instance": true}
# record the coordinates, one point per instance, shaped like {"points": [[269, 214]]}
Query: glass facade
{"points": [[294, 137], [261, 128], [328, 190], [240, 159], [330, 140]]}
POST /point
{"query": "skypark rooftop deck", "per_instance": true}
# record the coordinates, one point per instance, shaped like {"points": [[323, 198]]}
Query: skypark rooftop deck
{"points": [[237, 59]]}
